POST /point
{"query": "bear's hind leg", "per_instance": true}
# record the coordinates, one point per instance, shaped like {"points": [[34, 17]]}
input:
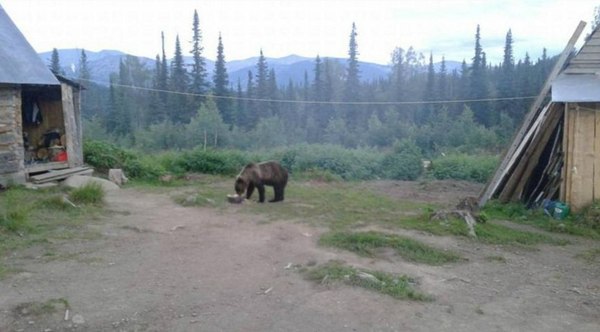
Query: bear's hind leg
{"points": [[278, 194]]}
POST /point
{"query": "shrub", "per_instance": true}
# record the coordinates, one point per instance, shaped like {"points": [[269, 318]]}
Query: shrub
{"points": [[404, 163], [464, 167], [104, 156], [349, 164], [227, 162], [90, 193]]}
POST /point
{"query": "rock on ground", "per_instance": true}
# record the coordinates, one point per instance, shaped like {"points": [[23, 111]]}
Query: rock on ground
{"points": [[77, 181]]}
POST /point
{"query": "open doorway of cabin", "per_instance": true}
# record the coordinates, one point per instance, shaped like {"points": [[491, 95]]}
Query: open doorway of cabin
{"points": [[43, 122]]}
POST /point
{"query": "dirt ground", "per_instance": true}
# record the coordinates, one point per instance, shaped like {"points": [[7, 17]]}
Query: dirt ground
{"points": [[159, 266]]}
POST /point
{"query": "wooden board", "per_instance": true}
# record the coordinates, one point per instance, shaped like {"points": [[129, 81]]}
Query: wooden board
{"points": [[582, 184], [563, 187], [58, 174]]}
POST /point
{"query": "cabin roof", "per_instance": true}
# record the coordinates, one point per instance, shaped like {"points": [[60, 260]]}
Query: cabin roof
{"points": [[19, 62]]}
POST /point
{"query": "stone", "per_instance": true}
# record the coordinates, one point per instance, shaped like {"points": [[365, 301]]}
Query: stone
{"points": [[117, 176], [78, 319], [77, 181]]}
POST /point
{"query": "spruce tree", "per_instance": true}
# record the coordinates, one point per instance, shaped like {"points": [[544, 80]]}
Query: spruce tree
{"points": [[251, 115], [506, 88], [429, 94], [273, 93], [479, 85], [442, 92], [221, 86], [84, 71], [199, 84], [163, 78], [262, 88], [318, 91], [352, 88], [179, 82], [55, 63]]}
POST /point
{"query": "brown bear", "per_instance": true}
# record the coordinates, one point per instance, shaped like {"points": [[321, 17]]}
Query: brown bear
{"points": [[268, 173]]}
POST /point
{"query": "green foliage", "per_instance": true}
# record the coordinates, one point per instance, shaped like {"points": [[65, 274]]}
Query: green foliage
{"points": [[464, 167], [404, 163], [397, 286], [226, 162], [90, 193], [517, 212], [104, 156], [365, 243], [590, 216], [349, 164], [13, 214]]}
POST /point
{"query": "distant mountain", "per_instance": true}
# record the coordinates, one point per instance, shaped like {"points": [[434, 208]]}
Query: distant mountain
{"points": [[291, 67]]}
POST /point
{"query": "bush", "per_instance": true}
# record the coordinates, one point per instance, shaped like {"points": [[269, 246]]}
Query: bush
{"points": [[226, 162], [464, 167], [349, 164], [91, 193], [104, 156], [404, 163]]}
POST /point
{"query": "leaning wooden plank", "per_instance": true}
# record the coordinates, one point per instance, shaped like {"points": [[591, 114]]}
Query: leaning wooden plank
{"points": [[58, 173], [553, 160], [500, 172], [547, 129], [521, 146], [528, 159]]}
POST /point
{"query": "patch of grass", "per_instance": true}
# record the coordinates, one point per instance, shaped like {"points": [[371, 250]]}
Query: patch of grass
{"points": [[336, 204], [90, 193], [518, 213], [41, 308], [590, 256], [497, 234], [365, 244], [13, 214], [495, 259], [435, 227], [397, 286]]}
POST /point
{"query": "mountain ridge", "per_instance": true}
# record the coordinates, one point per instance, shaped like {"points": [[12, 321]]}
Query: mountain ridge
{"points": [[288, 68]]}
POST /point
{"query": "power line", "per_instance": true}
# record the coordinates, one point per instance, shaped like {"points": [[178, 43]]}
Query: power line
{"points": [[313, 102]]}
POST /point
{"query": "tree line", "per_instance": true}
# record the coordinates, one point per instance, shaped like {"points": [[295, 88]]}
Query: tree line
{"points": [[172, 106]]}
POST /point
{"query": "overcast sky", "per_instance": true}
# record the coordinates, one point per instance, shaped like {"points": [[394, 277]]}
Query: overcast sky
{"points": [[306, 28]]}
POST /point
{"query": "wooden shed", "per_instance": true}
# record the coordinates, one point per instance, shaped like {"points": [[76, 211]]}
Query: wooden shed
{"points": [[556, 153], [40, 118]]}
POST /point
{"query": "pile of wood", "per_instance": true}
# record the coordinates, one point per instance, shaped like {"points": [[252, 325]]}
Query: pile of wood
{"points": [[62, 174], [534, 171]]}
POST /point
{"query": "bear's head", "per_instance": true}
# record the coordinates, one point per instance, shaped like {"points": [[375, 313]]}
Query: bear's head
{"points": [[240, 186]]}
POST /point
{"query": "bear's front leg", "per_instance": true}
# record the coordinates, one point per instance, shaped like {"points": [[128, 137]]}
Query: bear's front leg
{"points": [[261, 193], [250, 190]]}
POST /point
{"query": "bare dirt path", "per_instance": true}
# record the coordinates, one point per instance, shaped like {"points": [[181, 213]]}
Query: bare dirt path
{"points": [[159, 266]]}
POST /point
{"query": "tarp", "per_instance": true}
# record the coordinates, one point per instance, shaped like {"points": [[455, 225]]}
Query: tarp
{"points": [[19, 63]]}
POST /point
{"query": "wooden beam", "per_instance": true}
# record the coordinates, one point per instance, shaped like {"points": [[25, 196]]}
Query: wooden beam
{"points": [[565, 144], [491, 187]]}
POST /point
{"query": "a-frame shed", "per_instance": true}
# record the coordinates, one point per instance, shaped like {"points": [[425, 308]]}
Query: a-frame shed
{"points": [[556, 152]]}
